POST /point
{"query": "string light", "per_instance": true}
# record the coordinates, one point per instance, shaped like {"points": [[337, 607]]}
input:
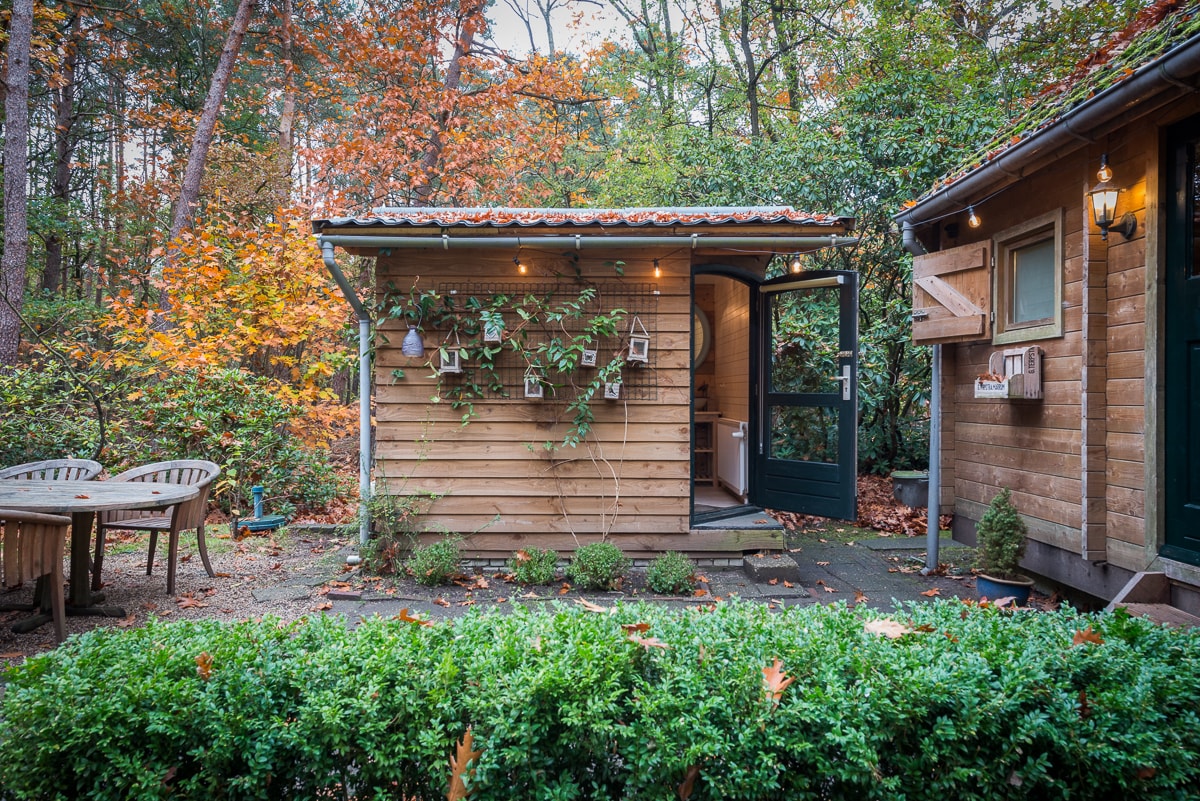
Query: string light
{"points": [[520, 266], [973, 218], [1105, 173], [657, 270], [797, 264]]}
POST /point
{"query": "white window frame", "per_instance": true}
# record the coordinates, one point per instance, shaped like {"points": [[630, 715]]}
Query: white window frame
{"points": [[1004, 331]]}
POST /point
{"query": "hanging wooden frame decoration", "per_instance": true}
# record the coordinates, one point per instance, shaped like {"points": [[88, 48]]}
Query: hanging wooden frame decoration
{"points": [[612, 390], [639, 343], [450, 356], [534, 389], [588, 357], [493, 331]]}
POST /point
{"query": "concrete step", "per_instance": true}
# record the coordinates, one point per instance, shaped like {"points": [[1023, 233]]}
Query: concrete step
{"points": [[1161, 613]]}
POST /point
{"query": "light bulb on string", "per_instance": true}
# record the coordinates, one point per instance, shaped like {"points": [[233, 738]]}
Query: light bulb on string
{"points": [[1105, 173], [797, 264], [973, 218], [520, 266], [657, 269]]}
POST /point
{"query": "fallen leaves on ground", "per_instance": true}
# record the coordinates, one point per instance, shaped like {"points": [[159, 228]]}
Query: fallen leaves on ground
{"points": [[189, 601], [877, 509], [933, 592], [405, 617], [886, 627]]}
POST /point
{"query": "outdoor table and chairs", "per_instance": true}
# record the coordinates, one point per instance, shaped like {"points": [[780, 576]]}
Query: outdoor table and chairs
{"points": [[81, 501]]}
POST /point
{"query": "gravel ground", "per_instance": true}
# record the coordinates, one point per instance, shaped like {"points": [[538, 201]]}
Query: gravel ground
{"points": [[283, 575]]}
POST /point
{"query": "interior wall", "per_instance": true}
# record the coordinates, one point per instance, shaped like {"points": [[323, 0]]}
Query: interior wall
{"points": [[730, 390]]}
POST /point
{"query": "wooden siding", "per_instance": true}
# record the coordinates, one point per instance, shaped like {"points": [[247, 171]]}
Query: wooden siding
{"points": [[731, 332], [500, 483], [1075, 461]]}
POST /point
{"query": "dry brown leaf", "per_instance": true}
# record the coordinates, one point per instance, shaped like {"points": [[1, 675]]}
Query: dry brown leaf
{"points": [[407, 618], [689, 782], [829, 589], [129, 621], [522, 556], [204, 666], [775, 681], [591, 607], [188, 601], [932, 592], [648, 642], [788, 584], [459, 772], [564, 589], [321, 607], [11, 655], [635, 628], [860, 597], [773, 582], [1087, 635], [822, 564], [702, 580], [885, 627], [696, 593]]}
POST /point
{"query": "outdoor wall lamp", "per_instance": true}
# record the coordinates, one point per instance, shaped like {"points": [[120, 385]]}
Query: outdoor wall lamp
{"points": [[1103, 197]]}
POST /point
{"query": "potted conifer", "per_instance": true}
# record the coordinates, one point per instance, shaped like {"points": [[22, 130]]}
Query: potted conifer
{"points": [[1001, 542]]}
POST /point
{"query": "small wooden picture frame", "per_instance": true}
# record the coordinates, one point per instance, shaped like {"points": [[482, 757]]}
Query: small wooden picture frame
{"points": [[492, 331], [587, 358], [534, 389], [639, 342], [612, 390]]}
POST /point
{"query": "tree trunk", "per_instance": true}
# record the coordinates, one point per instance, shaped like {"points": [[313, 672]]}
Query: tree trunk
{"points": [[468, 25], [64, 152], [287, 115], [189, 193], [16, 170]]}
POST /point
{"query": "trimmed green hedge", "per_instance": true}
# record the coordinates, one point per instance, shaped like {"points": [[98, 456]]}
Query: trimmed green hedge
{"points": [[564, 703]]}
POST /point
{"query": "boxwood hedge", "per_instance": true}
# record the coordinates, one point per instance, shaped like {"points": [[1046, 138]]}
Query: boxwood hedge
{"points": [[960, 702]]}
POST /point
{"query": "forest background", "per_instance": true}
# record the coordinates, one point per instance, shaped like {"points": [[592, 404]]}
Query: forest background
{"points": [[162, 296]]}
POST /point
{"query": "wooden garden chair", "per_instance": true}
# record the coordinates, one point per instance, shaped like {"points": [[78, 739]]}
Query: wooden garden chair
{"points": [[33, 547], [54, 470], [180, 517]]}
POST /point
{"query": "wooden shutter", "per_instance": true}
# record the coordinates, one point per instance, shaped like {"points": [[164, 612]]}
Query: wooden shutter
{"points": [[952, 295]]}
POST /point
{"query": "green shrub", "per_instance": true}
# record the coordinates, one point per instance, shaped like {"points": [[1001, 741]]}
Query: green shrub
{"points": [[1001, 538], [964, 703], [436, 563], [534, 565], [46, 416], [598, 566], [671, 573]]}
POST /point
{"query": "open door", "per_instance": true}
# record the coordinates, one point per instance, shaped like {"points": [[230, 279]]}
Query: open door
{"points": [[805, 450]]}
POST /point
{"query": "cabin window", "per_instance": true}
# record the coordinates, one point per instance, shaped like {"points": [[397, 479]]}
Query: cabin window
{"points": [[1028, 293]]}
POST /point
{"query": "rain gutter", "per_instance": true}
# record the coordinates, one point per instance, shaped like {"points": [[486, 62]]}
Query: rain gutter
{"points": [[364, 392], [583, 241], [933, 508], [1070, 129]]}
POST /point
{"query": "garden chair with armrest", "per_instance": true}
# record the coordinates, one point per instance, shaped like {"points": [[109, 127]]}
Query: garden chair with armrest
{"points": [[33, 547], [182, 516], [54, 470]]}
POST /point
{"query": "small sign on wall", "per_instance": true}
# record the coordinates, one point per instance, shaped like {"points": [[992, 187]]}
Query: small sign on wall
{"points": [[1013, 374]]}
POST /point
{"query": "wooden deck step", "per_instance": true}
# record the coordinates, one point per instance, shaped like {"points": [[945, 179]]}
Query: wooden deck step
{"points": [[1162, 613]]}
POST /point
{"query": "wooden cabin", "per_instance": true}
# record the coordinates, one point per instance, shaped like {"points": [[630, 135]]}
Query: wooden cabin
{"points": [[574, 375], [1069, 367]]}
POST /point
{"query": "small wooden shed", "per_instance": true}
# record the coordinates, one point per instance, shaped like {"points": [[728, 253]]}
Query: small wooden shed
{"points": [[578, 374], [1070, 369]]}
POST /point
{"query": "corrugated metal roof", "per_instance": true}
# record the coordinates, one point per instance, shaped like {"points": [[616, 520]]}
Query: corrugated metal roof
{"points": [[500, 217], [1154, 32]]}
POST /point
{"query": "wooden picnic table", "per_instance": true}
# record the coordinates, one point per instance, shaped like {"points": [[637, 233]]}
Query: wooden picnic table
{"points": [[81, 500]]}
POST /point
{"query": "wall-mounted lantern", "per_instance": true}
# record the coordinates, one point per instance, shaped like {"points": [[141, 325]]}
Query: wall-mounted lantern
{"points": [[1103, 197]]}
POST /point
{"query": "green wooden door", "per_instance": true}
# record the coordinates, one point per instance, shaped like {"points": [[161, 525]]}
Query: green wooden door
{"points": [[1181, 469], [807, 390]]}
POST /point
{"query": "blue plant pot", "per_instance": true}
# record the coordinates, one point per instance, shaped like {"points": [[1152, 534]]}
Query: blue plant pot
{"points": [[994, 589]]}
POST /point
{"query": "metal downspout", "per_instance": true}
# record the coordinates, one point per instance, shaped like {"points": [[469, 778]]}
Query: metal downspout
{"points": [[364, 392], [933, 509]]}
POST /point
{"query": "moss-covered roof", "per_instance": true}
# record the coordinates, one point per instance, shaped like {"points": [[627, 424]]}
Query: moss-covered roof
{"points": [[1157, 30]]}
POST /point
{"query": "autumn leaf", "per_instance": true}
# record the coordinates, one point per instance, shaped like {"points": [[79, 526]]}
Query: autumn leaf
{"points": [[523, 556], [635, 628], [689, 782], [822, 564], [591, 607], [648, 642], [775, 681], [827, 588], [204, 666], [1087, 635], [321, 607], [932, 592], [885, 627], [773, 582], [1007, 600], [11, 655], [860, 597], [407, 618], [1085, 709], [188, 601], [459, 772], [441, 602]]}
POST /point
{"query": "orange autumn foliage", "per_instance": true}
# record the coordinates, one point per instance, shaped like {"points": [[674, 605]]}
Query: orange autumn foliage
{"points": [[254, 297]]}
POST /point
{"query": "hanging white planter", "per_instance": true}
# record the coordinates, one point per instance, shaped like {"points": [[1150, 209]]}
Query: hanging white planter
{"points": [[450, 357], [492, 331], [534, 389], [639, 342], [612, 390], [413, 345]]}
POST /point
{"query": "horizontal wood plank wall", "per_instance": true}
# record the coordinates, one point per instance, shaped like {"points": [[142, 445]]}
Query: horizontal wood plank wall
{"points": [[732, 344], [1125, 491], [1094, 379], [502, 487], [1031, 447]]}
